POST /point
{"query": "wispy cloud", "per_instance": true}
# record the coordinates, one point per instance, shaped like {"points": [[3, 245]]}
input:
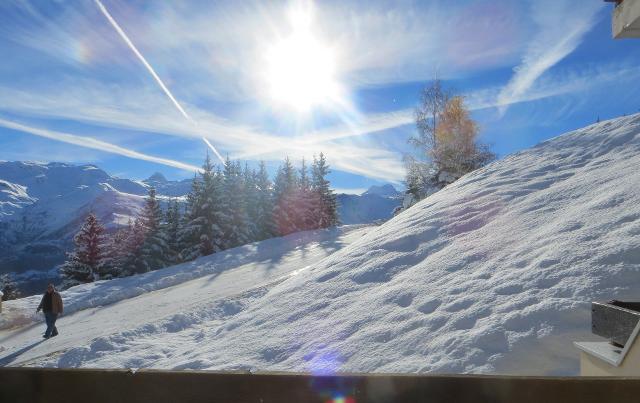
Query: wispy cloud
{"points": [[146, 64], [208, 77], [364, 125], [140, 110], [573, 81], [376, 44], [561, 26], [95, 144], [153, 73]]}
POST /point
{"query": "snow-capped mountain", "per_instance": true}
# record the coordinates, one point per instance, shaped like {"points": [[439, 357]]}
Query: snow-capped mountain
{"points": [[493, 274], [42, 205], [386, 190], [376, 204], [165, 187]]}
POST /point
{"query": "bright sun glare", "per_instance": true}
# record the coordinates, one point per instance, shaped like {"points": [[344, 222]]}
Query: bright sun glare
{"points": [[300, 68]]}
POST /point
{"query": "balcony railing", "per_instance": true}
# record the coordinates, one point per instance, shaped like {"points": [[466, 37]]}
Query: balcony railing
{"points": [[95, 385]]}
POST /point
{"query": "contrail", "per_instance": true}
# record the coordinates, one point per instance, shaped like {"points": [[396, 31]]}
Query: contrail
{"points": [[133, 48], [95, 144]]}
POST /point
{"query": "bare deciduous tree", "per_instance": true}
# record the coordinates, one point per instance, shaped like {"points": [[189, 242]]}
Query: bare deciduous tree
{"points": [[446, 142], [433, 100]]}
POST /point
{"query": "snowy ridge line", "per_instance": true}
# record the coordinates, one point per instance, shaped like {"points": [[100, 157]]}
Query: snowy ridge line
{"points": [[21, 312], [215, 311]]}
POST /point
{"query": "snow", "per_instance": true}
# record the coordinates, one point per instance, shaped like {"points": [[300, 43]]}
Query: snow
{"points": [[101, 308], [386, 190], [12, 197], [493, 274]]}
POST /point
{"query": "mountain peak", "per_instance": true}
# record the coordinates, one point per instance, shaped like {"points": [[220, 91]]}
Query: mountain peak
{"points": [[157, 177], [386, 190]]}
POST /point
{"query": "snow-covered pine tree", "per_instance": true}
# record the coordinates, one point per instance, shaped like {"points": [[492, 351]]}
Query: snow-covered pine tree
{"points": [[8, 287], [251, 196], [172, 229], [216, 203], [83, 264], [116, 248], [327, 212], [264, 205], [302, 201], [284, 196], [200, 232], [155, 250], [133, 259], [234, 219], [189, 232]]}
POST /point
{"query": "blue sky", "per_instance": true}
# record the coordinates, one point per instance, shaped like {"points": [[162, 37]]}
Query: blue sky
{"points": [[134, 86]]}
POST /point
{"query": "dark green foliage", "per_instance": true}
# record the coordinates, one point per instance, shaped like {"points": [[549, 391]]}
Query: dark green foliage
{"points": [[172, 231], [285, 188], [324, 198], [155, 251], [200, 234], [234, 217], [264, 205]]}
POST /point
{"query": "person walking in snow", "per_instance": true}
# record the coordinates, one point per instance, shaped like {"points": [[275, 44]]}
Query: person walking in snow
{"points": [[51, 305]]}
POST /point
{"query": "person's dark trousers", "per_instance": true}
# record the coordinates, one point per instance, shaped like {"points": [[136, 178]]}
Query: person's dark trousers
{"points": [[50, 319]]}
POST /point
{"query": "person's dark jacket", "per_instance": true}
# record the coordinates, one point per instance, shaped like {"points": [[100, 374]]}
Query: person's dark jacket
{"points": [[56, 302]]}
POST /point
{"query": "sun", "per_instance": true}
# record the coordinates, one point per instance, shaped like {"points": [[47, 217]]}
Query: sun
{"points": [[300, 69]]}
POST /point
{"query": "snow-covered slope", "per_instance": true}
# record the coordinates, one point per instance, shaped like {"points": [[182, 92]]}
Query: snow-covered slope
{"points": [[176, 297], [492, 274], [376, 204]]}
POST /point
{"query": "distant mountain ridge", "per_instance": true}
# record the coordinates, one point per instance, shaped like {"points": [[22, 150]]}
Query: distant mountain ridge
{"points": [[376, 204], [386, 190], [42, 205], [166, 187]]}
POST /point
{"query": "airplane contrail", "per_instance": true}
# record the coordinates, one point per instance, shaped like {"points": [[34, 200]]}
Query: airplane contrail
{"points": [[95, 144], [146, 64]]}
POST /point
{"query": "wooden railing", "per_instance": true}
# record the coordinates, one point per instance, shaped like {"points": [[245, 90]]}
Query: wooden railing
{"points": [[95, 385]]}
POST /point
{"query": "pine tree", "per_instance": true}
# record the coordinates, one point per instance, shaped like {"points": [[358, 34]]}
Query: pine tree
{"points": [[84, 263], [172, 228], [251, 195], [116, 248], [189, 232], [155, 250], [265, 225], [9, 288], [133, 258], [235, 221], [200, 232], [302, 201], [324, 198], [284, 197]]}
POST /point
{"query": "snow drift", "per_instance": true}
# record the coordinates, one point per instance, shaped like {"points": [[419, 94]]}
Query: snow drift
{"points": [[493, 274], [20, 312]]}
